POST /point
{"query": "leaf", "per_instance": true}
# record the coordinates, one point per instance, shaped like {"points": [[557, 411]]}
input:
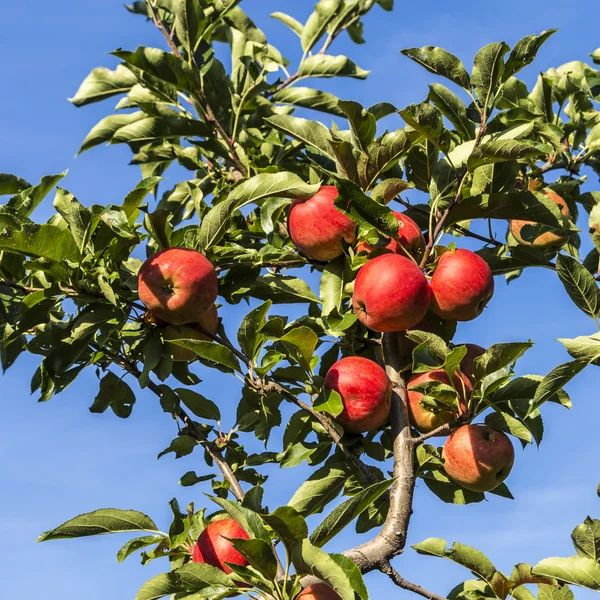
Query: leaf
{"points": [[330, 402], [501, 151], [100, 522], [189, 22], [316, 25], [311, 133], [136, 196], [288, 524], [381, 156], [579, 284], [362, 123], [265, 185], [586, 539], [425, 119], [211, 351], [388, 189], [488, 68], [182, 445], [305, 97], [505, 259], [248, 519], [498, 356], [332, 286], [310, 560], [11, 184], [552, 592], [292, 23], [137, 544], [116, 394], [433, 342], [105, 129], [190, 478], [441, 62], [323, 486], [325, 65], [260, 555], [505, 422], [45, 241], [301, 343], [76, 216], [525, 51], [346, 512], [584, 347], [283, 289], [577, 570], [148, 129], [202, 407], [453, 108], [248, 335], [104, 83]]}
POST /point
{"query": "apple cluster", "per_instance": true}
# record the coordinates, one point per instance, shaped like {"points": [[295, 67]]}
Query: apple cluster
{"points": [[392, 293]]}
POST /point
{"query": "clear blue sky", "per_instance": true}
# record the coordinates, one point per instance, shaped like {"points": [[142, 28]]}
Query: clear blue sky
{"points": [[58, 460]]}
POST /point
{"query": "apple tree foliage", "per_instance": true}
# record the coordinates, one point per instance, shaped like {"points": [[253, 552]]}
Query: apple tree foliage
{"points": [[254, 132]]}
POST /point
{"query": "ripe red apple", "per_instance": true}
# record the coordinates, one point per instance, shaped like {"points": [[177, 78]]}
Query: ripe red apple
{"points": [[366, 393], [409, 237], [209, 322], [533, 234], [424, 419], [213, 549], [318, 591], [478, 457], [466, 366], [461, 286], [317, 228], [178, 285], [391, 293]]}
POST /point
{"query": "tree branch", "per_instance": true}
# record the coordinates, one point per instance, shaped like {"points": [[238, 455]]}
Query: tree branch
{"points": [[390, 541], [387, 568]]}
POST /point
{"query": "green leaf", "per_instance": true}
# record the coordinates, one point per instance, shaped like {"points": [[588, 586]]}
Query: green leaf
{"points": [[501, 151], [265, 185], [311, 133], [323, 486], [584, 347], [488, 68], [104, 83], [116, 394], [305, 97], [381, 156], [329, 402], [310, 560], [11, 184], [301, 343], [505, 422], [425, 119], [189, 22], [362, 123], [586, 539], [292, 23], [525, 51], [137, 544], [577, 570], [45, 241], [99, 522], [325, 65], [136, 196], [553, 592], [498, 356], [316, 25], [182, 445], [346, 512], [354, 575], [260, 555], [388, 189], [579, 284], [433, 342], [190, 478], [283, 289], [441, 62], [453, 108], [332, 286], [288, 524], [148, 129], [105, 129], [75, 214], [505, 259], [202, 407], [211, 351], [248, 334], [596, 56], [248, 519]]}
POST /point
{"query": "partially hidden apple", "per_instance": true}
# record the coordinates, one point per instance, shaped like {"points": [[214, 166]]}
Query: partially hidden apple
{"points": [[410, 238], [466, 366], [478, 457], [214, 549], [318, 591], [461, 286], [390, 293], [317, 228], [366, 393], [178, 285], [529, 233], [195, 331], [424, 419]]}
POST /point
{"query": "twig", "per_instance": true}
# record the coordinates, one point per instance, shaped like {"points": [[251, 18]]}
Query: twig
{"points": [[387, 568], [280, 264], [441, 430]]}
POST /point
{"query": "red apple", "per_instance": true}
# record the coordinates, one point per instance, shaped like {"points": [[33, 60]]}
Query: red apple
{"points": [[478, 457], [424, 419], [209, 323], [461, 286], [409, 237], [366, 393], [317, 228], [391, 293], [533, 234], [473, 351], [214, 549], [318, 591], [178, 285]]}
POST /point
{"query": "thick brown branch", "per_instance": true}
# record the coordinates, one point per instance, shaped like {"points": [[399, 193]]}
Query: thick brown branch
{"points": [[387, 568], [390, 541]]}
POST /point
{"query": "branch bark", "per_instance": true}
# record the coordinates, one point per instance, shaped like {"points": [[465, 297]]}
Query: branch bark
{"points": [[387, 568]]}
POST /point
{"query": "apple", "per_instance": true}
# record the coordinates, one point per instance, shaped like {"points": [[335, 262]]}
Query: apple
{"points": [[478, 457], [424, 419], [533, 234], [409, 237], [390, 293], [214, 549], [366, 393], [178, 285], [461, 286], [466, 366], [318, 591], [194, 331], [317, 228]]}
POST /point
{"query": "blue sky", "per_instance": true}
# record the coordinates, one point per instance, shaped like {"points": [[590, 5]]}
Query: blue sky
{"points": [[58, 460]]}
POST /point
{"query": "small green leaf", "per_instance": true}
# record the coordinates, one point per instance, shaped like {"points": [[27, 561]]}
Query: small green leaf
{"points": [[576, 570], [311, 133], [498, 356], [501, 151], [202, 407], [104, 83], [329, 402], [182, 445], [579, 284], [210, 351], [586, 539], [116, 394], [137, 544], [488, 68], [441, 62], [323, 486], [505, 422], [288, 524], [525, 51], [301, 343], [44, 241], [305, 97], [325, 65]]}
